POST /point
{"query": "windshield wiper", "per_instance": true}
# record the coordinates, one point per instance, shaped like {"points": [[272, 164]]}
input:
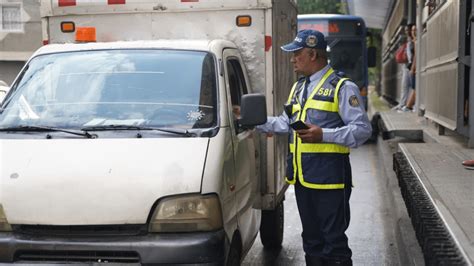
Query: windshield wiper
{"points": [[46, 128], [183, 132]]}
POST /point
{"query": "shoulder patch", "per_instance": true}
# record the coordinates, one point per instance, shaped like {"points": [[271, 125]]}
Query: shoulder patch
{"points": [[353, 101]]}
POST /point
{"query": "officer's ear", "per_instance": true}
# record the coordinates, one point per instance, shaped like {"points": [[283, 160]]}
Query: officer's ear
{"points": [[313, 53]]}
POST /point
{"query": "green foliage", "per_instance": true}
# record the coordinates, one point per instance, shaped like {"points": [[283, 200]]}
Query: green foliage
{"points": [[321, 7]]}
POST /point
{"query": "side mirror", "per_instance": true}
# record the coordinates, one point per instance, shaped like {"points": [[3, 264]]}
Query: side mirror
{"points": [[253, 110], [371, 56]]}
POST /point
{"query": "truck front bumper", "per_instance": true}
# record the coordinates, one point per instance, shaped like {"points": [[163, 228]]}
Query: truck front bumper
{"points": [[185, 248]]}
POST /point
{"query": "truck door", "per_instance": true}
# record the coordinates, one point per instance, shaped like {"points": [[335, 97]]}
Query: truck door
{"points": [[244, 142]]}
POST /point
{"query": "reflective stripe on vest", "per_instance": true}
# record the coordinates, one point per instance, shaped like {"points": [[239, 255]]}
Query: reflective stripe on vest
{"points": [[299, 148], [320, 148]]}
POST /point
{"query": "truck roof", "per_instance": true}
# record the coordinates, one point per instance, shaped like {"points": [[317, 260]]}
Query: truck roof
{"points": [[198, 45]]}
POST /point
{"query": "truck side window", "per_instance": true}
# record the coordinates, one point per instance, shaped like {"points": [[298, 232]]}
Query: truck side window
{"points": [[237, 83]]}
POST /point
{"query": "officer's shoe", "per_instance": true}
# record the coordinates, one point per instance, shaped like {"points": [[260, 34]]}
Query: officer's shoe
{"points": [[313, 261], [345, 262]]}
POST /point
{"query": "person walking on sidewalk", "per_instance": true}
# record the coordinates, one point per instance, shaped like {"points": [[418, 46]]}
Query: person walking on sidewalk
{"points": [[318, 162]]}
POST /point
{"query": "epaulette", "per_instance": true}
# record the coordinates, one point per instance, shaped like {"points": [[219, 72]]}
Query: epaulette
{"points": [[334, 81], [339, 75]]}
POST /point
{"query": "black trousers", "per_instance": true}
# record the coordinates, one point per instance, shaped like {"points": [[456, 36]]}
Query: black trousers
{"points": [[325, 216]]}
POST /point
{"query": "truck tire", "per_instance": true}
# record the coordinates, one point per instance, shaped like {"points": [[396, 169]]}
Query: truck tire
{"points": [[271, 227]]}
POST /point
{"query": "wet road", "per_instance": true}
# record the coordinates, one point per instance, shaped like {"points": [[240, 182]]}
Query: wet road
{"points": [[371, 232]]}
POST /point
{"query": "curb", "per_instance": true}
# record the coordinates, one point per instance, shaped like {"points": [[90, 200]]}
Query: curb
{"points": [[409, 250]]}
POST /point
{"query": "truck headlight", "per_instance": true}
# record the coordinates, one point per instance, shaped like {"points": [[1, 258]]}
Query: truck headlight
{"points": [[189, 213], [4, 225]]}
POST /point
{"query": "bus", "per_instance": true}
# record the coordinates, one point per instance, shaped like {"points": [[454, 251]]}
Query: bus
{"points": [[346, 38]]}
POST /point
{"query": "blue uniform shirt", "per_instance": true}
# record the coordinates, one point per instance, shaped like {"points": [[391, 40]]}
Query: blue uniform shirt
{"points": [[357, 127]]}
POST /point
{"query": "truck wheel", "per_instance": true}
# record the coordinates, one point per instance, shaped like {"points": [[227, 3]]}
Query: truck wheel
{"points": [[271, 227]]}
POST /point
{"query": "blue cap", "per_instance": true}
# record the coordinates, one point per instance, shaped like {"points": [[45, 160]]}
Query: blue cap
{"points": [[306, 38]]}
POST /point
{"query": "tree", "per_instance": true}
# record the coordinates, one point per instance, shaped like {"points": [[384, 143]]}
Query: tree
{"points": [[321, 7]]}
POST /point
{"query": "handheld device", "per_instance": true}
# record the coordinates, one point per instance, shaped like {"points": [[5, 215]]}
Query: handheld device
{"points": [[297, 125]]}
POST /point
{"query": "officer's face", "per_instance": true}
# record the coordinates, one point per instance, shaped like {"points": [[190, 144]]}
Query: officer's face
{"points": [[301, 60]]}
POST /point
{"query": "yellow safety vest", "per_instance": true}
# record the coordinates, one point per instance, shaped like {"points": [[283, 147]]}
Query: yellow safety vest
{"points": [[297, 149]]}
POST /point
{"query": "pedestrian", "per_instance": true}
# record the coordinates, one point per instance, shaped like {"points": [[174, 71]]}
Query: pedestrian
{"points": [[318, 160], [406, 66], [409, 107]]}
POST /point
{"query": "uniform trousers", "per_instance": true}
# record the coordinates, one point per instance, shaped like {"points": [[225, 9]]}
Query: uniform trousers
{"points": [[325, 216]]}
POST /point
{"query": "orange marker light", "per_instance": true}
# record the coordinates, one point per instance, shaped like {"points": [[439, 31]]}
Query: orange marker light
{"points": [[85, 34], [68, 26], [244, 21]]}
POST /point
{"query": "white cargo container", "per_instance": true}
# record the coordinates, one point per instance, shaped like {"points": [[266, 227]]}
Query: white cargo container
{"points": [[127, 147]]}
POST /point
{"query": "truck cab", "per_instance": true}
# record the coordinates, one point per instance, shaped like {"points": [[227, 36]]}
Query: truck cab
{"points": [[129, 138], [132, 147]]}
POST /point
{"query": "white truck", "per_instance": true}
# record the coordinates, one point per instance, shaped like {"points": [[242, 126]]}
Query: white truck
{"points": [[122, 140]]}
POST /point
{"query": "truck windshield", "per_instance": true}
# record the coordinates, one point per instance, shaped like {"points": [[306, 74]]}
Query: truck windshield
{"points": [[153, 88]]}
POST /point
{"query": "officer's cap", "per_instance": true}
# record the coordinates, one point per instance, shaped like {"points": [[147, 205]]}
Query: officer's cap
{"points": [[308, 39]]}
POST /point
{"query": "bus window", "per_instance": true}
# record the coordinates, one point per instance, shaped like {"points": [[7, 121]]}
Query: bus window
{"points": [[347, 56]]}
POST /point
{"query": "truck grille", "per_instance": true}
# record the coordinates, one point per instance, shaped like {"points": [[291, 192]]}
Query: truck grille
{"points": [[82, 230], [78, 256]]}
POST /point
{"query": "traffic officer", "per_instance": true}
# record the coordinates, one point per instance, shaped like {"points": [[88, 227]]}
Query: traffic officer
{"points": [[334, 120]]}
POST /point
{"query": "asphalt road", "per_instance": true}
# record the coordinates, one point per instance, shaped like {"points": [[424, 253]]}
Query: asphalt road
{"points": [[372, 234]]}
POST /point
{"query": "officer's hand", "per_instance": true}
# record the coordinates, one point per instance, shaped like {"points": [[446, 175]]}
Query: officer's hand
{"points": [[313, 134]]}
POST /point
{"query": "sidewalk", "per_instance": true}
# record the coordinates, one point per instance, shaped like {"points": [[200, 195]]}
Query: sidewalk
{"points": [[436, 189]]}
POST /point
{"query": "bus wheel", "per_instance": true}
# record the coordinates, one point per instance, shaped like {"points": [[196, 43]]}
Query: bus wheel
{"points": [[271, 227]]}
